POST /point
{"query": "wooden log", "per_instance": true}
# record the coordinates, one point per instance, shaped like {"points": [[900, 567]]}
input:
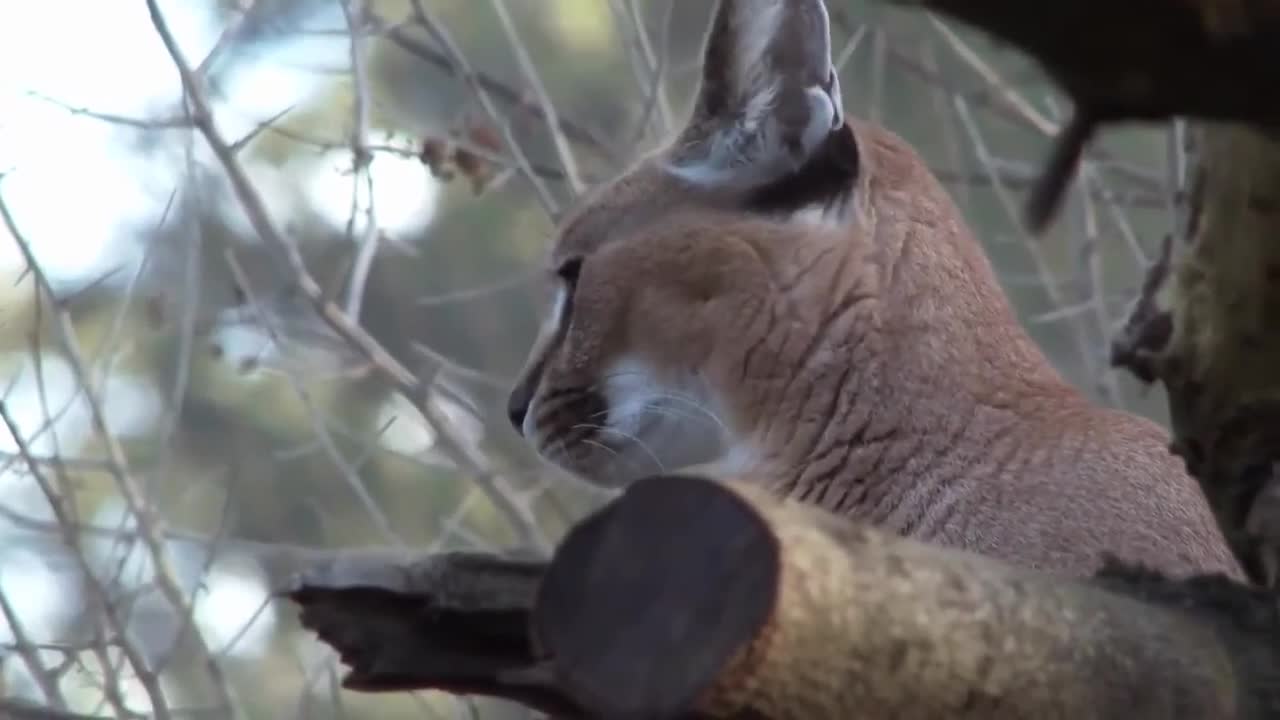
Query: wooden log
{"points": [[691, 598]]}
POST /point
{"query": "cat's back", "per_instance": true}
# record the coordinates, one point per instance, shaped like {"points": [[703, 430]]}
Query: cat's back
{"points": [[1094, 482]]}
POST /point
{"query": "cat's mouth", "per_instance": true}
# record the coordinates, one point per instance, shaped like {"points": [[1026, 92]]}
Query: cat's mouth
{"points": [[630, 429], [602, 455]]}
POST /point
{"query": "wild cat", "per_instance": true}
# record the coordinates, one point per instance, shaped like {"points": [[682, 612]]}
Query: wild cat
{"points": [[790, 295]]}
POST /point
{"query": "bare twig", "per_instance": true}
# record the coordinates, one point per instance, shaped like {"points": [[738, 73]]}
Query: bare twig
{"points": [[459, 62], [404, 380], [494, 88], [655, 97], [150, 527], [137, 123], [45, 680], [361, 159], [313, 412], [1003, 90], [656, 59], [98, 594], [1033, 248], [534, 78], [18, 710]]}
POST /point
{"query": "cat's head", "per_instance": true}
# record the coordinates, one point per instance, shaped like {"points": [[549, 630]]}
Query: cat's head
{"points": [[693, 290]]}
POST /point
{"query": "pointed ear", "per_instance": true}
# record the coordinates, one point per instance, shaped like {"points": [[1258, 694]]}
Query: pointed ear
{"points": [[769, 95]]}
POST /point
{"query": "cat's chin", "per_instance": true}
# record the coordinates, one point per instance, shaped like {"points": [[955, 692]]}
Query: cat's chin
{"points": [[602, 468], [609, 476]]}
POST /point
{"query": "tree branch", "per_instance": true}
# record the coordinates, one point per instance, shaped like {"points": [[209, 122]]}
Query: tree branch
{"points": [[413, 388], [746, 606], [1210, 59], [1203, 325], [453, 621]]}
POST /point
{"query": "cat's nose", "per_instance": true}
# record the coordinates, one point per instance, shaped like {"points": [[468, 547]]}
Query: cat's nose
{"points": [[517, 409]]}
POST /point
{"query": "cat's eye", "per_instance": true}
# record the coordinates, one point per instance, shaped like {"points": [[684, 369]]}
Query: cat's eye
{"points": [[569, 270]]}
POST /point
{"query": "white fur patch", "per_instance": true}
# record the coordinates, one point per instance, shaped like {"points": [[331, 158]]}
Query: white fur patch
{"points": [[737, 461], [833, 214], [629, 390], [819, 215], [558, 305], [759, 21], [669, 425], [550, 326]]}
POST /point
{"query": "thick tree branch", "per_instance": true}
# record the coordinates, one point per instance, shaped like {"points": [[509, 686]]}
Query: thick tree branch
{"points": [[1204, 326], [453, 621], [688, 598], [1137, 60]]}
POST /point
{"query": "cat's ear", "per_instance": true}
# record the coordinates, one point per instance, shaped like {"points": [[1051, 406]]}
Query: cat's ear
{"points": [[769, 95]]}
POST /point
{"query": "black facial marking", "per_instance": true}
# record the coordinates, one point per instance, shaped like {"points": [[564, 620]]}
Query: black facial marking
{"points": [[522, 394], [570, 414], [825, 179], [569, 271]]}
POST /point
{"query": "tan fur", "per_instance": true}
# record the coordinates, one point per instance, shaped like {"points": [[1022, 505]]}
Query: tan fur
{"points": [[866, 361]]}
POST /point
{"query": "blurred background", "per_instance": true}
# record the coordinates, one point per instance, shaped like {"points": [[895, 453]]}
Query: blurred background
{"points": [[180, 426]]}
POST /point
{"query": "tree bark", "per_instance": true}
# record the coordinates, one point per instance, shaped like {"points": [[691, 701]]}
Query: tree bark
{"points": [[1205, 325], [689, 598], [457, 622]]}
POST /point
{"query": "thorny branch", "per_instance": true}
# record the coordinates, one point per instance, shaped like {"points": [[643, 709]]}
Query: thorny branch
{"points": [[449, 61], [462, 67], [151, 527], [531, 75], [404, 380], [361, 158]]}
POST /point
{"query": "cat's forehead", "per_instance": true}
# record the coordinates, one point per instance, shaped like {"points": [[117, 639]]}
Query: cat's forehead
{"points": [[623, 207]]}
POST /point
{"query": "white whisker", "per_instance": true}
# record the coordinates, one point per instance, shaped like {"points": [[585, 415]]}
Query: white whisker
{"points": [[665, 394], [702, 412], [639, 443]]}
